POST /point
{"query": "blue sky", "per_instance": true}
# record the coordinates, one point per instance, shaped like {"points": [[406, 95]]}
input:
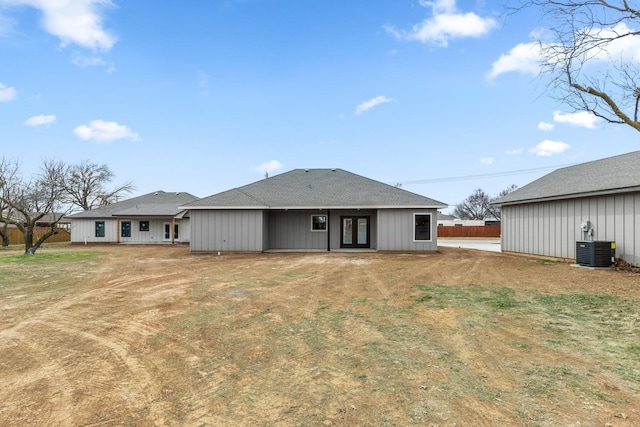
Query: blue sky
{"points": [[201, 96]]}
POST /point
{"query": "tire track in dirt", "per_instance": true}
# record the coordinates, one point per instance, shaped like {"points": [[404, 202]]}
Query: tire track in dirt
{"points": [[86, 326]]}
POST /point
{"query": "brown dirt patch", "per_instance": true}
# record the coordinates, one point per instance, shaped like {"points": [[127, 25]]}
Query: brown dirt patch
{"points": [[156, 336]]}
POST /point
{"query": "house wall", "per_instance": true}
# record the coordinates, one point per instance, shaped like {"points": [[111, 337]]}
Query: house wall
{"points": [[396, 230], [552, 228], [335, 220], [292, 230], [227, 230], [84, 230]]}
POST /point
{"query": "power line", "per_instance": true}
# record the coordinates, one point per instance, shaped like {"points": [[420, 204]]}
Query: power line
{"points": [[486, 175]]}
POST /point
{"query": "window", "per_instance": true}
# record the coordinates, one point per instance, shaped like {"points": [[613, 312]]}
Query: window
{"points": [[99, 228], [125, 229], [422, 230], [144, 225], [318, 223]]}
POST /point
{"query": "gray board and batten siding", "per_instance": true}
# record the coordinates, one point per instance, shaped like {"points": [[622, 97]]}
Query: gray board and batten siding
{"points": [[276, 214], [545, 216]]}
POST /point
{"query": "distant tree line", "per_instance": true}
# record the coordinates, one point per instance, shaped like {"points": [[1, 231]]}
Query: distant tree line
{"points": [[56, 190], [478, 205]]}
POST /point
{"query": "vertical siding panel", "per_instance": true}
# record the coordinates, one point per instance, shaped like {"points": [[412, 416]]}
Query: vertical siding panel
{"points": [[610, 217], [620, 223], [601, 219], [636, 230], [548, 224], [566, 234]]}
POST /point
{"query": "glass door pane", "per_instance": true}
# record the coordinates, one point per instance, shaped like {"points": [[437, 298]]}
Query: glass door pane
{"points": [[362, 231], [347, 231]]}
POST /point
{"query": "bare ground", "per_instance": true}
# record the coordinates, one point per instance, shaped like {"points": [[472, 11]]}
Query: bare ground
{"points": [[156, 336]]}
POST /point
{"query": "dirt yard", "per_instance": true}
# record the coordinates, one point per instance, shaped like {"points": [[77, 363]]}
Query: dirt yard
{"points": [[156, 336]]}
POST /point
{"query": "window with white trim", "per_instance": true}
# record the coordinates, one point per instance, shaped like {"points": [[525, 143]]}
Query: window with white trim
{"points": [[318, 223]]}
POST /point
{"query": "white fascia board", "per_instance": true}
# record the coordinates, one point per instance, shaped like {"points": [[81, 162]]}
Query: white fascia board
{"points": [[357, 207], [310, 207], [196, 208], [572, 196]]}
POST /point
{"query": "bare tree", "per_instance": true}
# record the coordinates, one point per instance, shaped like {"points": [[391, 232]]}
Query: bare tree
{"points": [[583, 51], [494, 210], [474, 206], [27, 202], [8, 172], [85, 186]]}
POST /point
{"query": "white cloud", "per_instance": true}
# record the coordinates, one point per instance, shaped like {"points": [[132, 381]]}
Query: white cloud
{"points": [[6, 93], [582, 119], [101, 131], [87, 61], [546, 126], [367, 105], [40, 120], [622, 47], [6, 25], [514, 152], [523, 58], [270, 166], [73, 21], [487, 160], [548, 148], [445, 24]]}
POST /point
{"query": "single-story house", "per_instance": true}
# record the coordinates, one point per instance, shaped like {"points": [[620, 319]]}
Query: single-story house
{"points": [[445, 220], [152, 218], [598, 200], [314, 209]]}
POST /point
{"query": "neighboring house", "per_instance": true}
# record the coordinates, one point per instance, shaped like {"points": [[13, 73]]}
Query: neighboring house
{"points": [[59, 218], [598, 200], [445, 220], [152, 218], [314, 209]]}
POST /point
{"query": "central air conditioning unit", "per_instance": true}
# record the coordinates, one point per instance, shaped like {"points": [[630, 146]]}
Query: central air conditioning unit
{"points": [[595, 253]]}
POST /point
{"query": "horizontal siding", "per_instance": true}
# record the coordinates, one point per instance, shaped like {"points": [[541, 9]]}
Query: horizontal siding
{"points": [[552, 228]]}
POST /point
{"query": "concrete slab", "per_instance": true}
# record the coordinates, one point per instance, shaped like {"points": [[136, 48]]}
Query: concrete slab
{"points": [[492, 245]]}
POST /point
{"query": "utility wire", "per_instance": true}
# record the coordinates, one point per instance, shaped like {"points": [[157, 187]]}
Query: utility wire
{"points": [[486, 175]]}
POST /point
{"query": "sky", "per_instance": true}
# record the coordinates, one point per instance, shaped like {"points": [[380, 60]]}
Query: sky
{"points": [[440, 97]]}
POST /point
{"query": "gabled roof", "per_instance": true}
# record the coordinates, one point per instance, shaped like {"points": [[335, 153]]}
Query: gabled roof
{"points": [[314, 189], [158, 204], [611, 175]]}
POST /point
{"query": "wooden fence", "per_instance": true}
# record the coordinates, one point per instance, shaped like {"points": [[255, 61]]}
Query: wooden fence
{"points": [[16, 237], [469, 231]]}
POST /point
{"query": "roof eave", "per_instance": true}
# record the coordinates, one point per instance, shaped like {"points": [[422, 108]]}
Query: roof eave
{"points": [[572, 196]]}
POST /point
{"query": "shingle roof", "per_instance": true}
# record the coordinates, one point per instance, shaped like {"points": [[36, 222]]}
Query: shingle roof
{"points": [[158, 203], [315, 188], [605, 176]]}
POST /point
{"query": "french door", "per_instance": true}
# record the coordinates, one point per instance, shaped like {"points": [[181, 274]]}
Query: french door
{"points": [[354, 232], [167, 232]]}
